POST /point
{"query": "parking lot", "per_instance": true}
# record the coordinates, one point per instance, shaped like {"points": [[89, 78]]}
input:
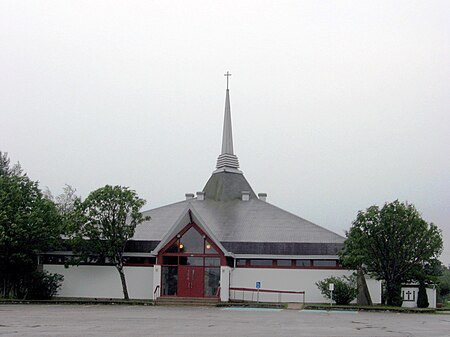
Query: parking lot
{"points": [[123, 320]]}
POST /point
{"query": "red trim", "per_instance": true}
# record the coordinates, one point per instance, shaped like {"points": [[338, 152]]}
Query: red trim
{"points": [[220, 253], [292, 267]]}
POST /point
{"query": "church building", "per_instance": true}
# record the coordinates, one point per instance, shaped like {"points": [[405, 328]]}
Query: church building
{"points": [[225, 242]]}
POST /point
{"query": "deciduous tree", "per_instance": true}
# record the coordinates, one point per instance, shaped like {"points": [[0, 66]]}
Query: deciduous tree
{"points": [[392, 243], [29, 225], [105, 221]]}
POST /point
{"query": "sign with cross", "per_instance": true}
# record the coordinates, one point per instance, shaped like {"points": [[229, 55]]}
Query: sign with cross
{"points": [[409, 296]]}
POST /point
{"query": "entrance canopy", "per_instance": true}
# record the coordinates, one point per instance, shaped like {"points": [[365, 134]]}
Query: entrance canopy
{"points": [[189, 216]]}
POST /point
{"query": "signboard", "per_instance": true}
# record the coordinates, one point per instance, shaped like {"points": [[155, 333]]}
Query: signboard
{"points": [[331, 286], [258, 285]]}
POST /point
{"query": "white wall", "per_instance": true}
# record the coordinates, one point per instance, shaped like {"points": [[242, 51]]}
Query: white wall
{"points": [[103, 281], [431, 294], [374, 287], [225, 283], [290, 279]]}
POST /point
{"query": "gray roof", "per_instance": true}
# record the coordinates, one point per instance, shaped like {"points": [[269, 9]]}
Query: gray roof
{"points": [[243, 227], [238, 221]]}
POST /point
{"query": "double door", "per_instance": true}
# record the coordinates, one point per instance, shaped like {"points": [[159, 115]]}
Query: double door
{"points": [[190, 281]]}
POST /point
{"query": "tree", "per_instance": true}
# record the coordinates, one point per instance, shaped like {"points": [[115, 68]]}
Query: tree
{"points": [[6, 170], [29, 225], [422, 297], [345, 289], [65, 204], [393, 244], [444, 284], [105, 221]]}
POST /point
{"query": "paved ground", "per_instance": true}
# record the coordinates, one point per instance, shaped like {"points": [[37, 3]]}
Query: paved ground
{"points": [[121, 320]]}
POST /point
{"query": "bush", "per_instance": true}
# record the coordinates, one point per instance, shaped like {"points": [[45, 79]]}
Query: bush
{"points": [[345, 289], [42, 285], [422, 298]]}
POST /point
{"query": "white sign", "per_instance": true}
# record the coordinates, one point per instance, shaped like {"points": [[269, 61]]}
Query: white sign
{"points": [[331, 286]]}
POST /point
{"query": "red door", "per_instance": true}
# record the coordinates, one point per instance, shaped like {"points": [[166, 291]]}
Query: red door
{"points": [[190, 281]]}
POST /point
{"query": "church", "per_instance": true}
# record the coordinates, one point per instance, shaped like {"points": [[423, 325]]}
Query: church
{"points": [[225, 242]]}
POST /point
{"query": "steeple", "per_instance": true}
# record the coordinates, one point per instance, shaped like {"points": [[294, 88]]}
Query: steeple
{"points": [[227, 160]]}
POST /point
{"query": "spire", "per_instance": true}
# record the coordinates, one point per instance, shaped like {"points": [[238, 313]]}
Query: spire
{"points": [[227, 160], [227, 137]]}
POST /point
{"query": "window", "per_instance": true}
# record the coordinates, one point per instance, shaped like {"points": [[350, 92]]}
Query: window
{"points": [[303, 263], [191, 261], [212, 261], [192, 242], [284, 263], [212, 281], [325, 263], [170, 279], [173, 260], [241, 263], [209, 249], [261, 263]]}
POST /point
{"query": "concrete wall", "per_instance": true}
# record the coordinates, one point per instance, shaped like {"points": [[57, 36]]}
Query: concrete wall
{"points": [[289, 279], [103, 281], [374, 287], [410, 300]]}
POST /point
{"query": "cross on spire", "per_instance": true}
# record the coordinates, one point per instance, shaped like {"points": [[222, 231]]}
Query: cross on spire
{"points": [[228, 76]]}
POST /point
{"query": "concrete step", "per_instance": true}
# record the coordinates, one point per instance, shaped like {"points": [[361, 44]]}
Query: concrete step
{"points": [[187, 301]]}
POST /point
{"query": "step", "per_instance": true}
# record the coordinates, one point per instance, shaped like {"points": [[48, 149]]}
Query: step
{"points": [[187, 301]]}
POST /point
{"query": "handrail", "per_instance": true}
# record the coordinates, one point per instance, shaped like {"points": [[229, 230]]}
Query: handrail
{"points": [[218, 292], [154, 292], [269, 290], [279, 292]]}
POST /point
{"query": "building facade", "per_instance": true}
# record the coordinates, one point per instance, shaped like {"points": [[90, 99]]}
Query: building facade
{"points": [[224, 242]]}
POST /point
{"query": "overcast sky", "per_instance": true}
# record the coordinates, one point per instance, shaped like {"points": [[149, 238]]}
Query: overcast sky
{"points": [[336, 105]]}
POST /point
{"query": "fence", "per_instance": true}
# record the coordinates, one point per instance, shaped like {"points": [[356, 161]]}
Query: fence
{"points": [[253, 294]]}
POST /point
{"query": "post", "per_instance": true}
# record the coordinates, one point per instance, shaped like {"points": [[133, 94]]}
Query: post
{"points": [[257, 286], [331, 288]]}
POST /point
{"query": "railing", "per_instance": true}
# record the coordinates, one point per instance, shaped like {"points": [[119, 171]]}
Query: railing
{"points": [[254, 291], [154, 292], [218, 292]]}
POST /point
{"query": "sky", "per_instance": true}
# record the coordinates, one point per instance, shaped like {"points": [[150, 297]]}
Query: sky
{"points": [[336, 105]]}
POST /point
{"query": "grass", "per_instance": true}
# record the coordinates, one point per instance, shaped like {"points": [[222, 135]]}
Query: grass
{"points": [[73, 300], [376, 307]]}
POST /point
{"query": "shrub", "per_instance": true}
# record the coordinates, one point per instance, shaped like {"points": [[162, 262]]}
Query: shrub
{"points": [[43, 285], [345, 289], [422, 298]]}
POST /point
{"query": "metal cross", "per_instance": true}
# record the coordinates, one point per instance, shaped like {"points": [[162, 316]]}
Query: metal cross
{"points": [[228, 76]]}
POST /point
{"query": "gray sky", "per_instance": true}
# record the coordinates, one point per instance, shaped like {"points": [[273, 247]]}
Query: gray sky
{"points": [[336, 105]]}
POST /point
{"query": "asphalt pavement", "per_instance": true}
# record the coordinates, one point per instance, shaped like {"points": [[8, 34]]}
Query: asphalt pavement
{"points": [[123, 320]]}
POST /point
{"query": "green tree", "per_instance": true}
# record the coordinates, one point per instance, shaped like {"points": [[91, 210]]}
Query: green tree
{"points": [[104, 222], [393, 244], [345, 289], [29, 225], [444, 284], [422, 297]]}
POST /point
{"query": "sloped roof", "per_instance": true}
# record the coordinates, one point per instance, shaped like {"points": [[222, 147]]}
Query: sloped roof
{"points": [[226, 186], [238, 221]]}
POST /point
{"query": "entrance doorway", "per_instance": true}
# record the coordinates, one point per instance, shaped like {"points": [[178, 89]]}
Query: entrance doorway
{"points": [[190, 281], [191, 265]]}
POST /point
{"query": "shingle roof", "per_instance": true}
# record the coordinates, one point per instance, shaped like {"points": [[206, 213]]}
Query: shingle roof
{"points": [[239, 221], [233, 220]]}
